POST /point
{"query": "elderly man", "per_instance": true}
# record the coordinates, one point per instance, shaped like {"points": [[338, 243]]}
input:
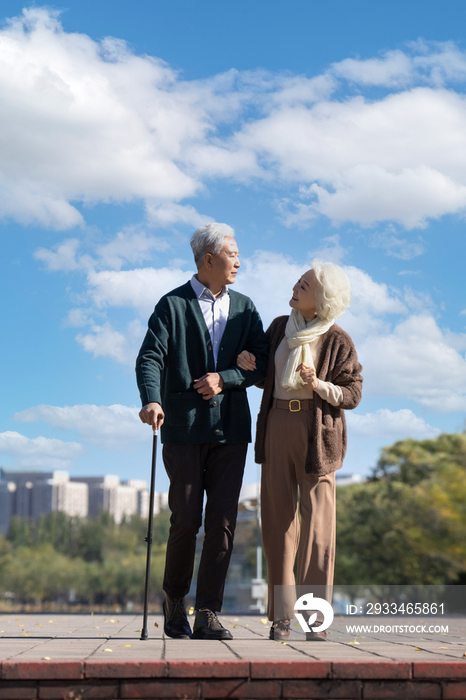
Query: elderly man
{"points": [[192, 388]]}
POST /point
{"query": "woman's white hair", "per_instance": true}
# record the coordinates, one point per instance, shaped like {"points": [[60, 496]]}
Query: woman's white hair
{"points": [[209, 239], [333, 290]]}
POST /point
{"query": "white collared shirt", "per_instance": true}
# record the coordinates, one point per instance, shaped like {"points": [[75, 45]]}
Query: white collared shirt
{"points": [[215, 311]]}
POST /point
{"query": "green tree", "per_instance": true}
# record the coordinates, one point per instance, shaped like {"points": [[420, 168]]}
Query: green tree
{"points": [[407, 524]]}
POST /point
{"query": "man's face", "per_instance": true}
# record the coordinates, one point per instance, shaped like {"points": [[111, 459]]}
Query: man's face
{"points": [[225, 265]]}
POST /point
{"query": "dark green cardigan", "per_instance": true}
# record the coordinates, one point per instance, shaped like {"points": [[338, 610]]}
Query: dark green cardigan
{"points": [[177, 350]]}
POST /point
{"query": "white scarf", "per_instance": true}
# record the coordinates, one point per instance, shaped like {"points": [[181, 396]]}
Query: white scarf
{"points": [[299, 334]]}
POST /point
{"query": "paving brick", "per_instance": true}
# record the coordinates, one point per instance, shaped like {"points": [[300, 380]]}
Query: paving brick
{"points": [[343, 690], [439, 669], [290, 669], [208, 669], [12, 690], [57, 690], [454, 691], [372, 669], [164, 688], [399, 690], [36, 670], [240, 689], [125, 669]]}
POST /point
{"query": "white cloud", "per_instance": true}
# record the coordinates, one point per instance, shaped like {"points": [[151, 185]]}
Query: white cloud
{"points": [[367, 192], [41, 452], [416, 361], [166, 214], [114, 120], [398, 247], [63, 257], [398, 158], [78, 317], [390, 425], [129, 247], [140, 288], [128, 128], [106, 341], [413, 358], [371, 296], [433, 63], [108, 427], [394, 69], [268, 278]]}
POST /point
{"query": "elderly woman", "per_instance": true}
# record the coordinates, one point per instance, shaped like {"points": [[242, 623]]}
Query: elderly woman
{"points": [[313, 375]]}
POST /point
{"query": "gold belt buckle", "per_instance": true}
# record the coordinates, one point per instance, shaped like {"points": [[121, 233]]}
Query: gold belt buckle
{"points": [[294, 410]]}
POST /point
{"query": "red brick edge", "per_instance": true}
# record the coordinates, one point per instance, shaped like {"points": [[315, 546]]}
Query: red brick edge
{"points": [[43, 680], [254, 670]]}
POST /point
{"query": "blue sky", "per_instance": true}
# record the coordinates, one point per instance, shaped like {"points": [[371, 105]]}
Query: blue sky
{"points": [[332, 130]]}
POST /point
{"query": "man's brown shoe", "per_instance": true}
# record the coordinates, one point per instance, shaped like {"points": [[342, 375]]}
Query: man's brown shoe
{"points": [[280, 630]]}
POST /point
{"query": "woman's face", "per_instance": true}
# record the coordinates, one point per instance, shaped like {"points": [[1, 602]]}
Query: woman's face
{"points": [[303, 298]]}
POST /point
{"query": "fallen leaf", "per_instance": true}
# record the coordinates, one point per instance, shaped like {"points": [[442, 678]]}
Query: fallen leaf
{"points": [[443, 647], [156, 624], [419, 649], [96, 628], [46, 658], [264, 620], [126, 645], [464, 655], [355, 642], [108, 649], [235, 626]]}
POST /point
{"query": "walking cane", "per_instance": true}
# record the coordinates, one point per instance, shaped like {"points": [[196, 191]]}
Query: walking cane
{"points": [[148, 539]]}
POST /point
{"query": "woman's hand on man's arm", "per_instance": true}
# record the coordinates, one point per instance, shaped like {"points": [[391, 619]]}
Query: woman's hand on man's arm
{"points": [[246, 360]]}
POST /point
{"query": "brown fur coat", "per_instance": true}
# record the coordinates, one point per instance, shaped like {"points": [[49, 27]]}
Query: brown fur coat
{"points": [[338, 363]]}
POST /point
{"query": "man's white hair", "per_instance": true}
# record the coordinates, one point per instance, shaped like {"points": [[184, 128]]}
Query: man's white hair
{"points": [[209, 239], [333, 290]]}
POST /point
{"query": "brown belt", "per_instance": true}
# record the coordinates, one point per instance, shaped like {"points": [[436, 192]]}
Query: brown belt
{"points": [[293, 405]]}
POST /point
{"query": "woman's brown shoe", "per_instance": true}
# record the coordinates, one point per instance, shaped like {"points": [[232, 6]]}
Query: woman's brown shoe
{"points": [[316, 636], [280, 630]]}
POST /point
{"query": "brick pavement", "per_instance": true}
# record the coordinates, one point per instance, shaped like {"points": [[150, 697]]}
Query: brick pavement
{"points": [[77, 656]]}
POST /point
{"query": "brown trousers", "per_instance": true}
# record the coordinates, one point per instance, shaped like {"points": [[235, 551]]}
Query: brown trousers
{"points": [[289, 528]]}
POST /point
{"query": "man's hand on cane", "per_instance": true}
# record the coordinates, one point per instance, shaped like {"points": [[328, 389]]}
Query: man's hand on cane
{"points": [[153, 415]]}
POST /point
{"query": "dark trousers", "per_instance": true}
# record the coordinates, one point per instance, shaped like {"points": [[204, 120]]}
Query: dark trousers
{"points": [[194, 469]]}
